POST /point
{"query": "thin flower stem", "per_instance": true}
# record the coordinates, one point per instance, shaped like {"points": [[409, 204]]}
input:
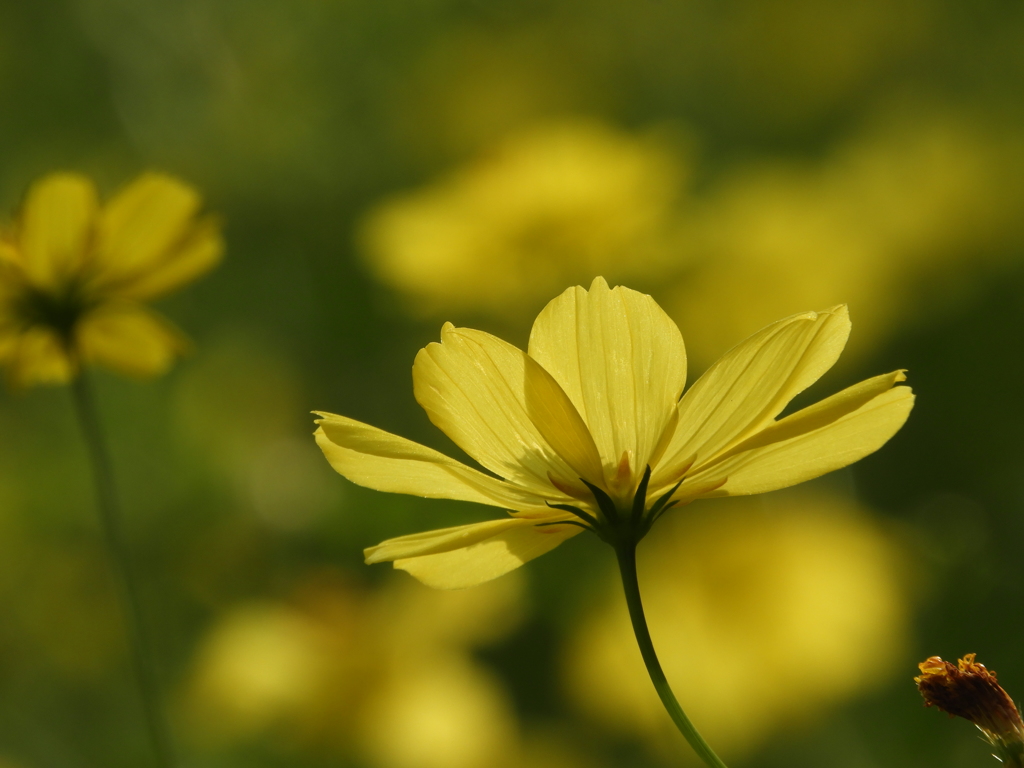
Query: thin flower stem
{"points": [[626, 553], [110, 519]]}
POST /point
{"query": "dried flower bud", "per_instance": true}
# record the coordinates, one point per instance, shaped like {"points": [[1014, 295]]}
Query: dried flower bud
{"points": [[970, 691]]}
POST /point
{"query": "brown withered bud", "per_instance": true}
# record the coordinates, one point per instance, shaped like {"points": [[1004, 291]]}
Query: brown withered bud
{"points": [[970, 691]]}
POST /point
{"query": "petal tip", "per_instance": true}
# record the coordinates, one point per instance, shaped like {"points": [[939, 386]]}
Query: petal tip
{"points": [[838, 309]]}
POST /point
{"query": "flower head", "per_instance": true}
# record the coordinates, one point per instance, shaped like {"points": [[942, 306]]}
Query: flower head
{"points": [[74, 274], [970, 691], [589, 429], [533, 213]]}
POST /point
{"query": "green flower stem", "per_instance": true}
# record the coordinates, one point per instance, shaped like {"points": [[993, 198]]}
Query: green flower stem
{"points": [[626, 552], [110, 519]]}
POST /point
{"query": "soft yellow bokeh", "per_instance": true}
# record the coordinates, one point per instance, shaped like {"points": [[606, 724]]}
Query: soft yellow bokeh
{"points": [[764, 611], [75, 273], [547, 207], [878, 223], [387, 675], [893, 219], [260, 663]]}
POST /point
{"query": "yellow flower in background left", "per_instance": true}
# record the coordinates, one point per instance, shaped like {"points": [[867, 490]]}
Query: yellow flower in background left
{"points": [[75, 273]]}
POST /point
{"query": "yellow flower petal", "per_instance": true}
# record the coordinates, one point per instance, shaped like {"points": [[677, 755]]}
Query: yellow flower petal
{"points": [[621, 361], [55, 226], [744, 391], [499, 550], [129, 339], [822, 413], [438, 540], [824, 437], [473, 387], [36, 356], [385, 462], [143, 222], [199, 251], [559, 422]]}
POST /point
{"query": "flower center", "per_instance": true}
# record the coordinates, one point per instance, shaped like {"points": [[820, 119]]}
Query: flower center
{"points": [[60, 310]]}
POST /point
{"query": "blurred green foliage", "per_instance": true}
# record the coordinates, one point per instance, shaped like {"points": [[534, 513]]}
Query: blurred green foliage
{"points": [[298, 120]]}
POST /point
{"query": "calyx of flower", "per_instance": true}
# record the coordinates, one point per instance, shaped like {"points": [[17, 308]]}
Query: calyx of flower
{"points": [[619, 525]]}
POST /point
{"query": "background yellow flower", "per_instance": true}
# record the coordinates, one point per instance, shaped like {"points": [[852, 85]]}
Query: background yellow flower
{"points": [[909, 202], [544, 208], [388, 677], [74, 274]]}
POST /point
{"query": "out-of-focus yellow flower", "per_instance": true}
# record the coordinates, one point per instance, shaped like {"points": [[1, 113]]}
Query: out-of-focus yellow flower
{"points": [[258, 665], [545, 208], [74, 276], [588, 431], [387, 676], [878, 223], [913, 202], [756, 607], [445, 714]]}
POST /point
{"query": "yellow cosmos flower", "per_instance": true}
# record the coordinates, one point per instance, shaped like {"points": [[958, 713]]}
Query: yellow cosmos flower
{"points": [[534, 213], [74, 274], [589, 429]]}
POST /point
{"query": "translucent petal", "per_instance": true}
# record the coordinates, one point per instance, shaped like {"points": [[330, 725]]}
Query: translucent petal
{"points": [[55, 226], [385, 462], [824, 437], [498, 550], [559, 422], [144, 222], [746, 389], [130, 339], [822, 413], [621, 361], [480, 391], [438, 540]]}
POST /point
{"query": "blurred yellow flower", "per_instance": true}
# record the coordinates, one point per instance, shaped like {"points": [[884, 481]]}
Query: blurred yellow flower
{"points": [[74, 276], [588, 431], [387, 675], [545, 208], [757, 607], [885, 220], [880, 223]]}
